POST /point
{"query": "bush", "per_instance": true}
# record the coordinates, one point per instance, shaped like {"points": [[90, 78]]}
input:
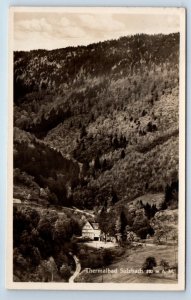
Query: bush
{"points": [[65, 271], [149, 264], [164, 264]]}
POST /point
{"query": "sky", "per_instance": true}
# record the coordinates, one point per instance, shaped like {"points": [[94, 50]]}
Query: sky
{"points": [[52, 30]]}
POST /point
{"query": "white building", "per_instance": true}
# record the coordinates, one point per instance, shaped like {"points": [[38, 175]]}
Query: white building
{"points": [[92, 231]]}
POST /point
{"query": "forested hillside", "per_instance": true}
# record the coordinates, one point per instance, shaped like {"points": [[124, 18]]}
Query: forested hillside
{"points": [[98, 124]]}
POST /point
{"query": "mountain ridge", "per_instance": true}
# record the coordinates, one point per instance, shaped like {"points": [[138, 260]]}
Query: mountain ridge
{"points": [[111, 107]]}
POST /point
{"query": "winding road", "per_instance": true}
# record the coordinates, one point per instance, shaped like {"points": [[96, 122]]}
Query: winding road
{"points": [[78, 269]]}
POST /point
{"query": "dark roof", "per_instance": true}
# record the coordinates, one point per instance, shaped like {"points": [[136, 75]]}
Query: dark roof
{"points": [[95, 225]]}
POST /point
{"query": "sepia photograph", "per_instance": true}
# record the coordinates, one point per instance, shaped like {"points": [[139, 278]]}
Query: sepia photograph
{"points": [[96, 156]]}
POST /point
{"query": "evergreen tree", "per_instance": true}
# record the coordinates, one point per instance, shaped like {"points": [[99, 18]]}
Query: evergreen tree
{"points": [[147, 209], [115, 143], [97, 164], [83, 132], [122, 154], [163, 205], [114, 198]]}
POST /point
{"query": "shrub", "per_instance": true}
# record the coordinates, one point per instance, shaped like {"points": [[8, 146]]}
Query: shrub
{"points": [[149, 264], [65, 271], [164, 264]]}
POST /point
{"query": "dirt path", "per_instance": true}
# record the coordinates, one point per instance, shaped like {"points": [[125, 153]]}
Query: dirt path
{"points": [[148, 245], [78, 269]]}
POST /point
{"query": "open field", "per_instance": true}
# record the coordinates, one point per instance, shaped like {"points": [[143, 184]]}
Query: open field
{"points": [[133, 259], [151, 199]]}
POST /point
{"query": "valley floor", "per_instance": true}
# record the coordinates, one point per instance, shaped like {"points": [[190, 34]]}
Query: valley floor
{"points": [[131, 261]]}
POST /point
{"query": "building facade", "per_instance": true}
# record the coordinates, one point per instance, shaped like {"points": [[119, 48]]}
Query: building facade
{"points": [[91, 231]]}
